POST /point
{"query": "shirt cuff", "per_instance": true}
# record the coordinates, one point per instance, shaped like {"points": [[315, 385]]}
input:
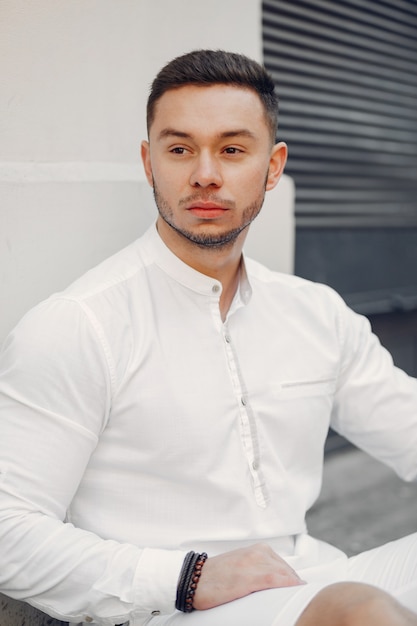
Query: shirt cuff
{"points": [[156, 580]]}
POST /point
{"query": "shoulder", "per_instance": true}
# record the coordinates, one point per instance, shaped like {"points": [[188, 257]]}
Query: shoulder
{"points": [[96, 301], [293, 300], [111, 273], [262, 277]]}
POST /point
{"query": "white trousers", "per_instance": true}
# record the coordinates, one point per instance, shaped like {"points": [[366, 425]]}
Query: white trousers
{"points": [[391, 567]]}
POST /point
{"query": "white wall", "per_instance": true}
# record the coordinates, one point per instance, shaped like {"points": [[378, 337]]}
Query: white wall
{"points": [[74, 78]]}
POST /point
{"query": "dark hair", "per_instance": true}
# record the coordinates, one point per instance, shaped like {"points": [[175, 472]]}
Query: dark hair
{"points": [[211, 67]]}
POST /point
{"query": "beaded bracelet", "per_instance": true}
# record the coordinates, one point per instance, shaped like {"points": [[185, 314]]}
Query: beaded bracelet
{"points": [[188, 581]]}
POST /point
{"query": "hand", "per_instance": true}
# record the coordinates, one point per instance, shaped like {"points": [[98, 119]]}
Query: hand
{"points": [[235, 574]]}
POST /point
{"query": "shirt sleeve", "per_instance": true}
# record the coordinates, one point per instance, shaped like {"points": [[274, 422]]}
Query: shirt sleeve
{"points": [[55, 396], [376, 402]]}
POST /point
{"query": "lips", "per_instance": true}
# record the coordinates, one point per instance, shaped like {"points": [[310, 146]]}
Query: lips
{"points": [[208, 210]]}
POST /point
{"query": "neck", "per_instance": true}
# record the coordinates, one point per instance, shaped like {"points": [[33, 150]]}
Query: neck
{"points": [[222, 263]]}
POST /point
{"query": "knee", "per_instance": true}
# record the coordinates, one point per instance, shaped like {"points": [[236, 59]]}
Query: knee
{"points": [[352, 604]]}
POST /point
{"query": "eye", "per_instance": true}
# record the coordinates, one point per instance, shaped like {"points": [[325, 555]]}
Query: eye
{"points": [[232, 150], [178, 150]]}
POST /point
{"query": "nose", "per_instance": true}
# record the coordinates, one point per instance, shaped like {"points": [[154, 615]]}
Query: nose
{"points": [[206, 172]]}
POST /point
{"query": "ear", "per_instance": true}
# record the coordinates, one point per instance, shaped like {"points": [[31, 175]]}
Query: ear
{"points": [[146, 160], [277, 163]]}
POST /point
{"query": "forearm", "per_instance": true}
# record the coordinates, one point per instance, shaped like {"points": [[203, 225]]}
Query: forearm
{"points": [[70, 573], [65, 571]]}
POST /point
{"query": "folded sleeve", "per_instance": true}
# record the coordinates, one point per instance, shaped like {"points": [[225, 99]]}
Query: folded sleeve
{"points": [[56, 380]]}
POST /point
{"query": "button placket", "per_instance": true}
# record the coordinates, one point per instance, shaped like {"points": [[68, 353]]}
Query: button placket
{"points": [[247, 422]]}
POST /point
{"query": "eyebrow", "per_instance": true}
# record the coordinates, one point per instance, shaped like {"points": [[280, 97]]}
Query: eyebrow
{"points": [[239, 132]]}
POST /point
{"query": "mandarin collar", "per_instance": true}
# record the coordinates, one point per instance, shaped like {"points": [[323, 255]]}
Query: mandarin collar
{"points": [[186, 275]]}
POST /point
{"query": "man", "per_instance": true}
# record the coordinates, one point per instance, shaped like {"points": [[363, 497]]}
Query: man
{"points": [[176, 399]]}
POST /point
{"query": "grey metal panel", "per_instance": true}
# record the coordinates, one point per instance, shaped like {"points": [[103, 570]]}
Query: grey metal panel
{"points": [[347, 80], [346, 75]]}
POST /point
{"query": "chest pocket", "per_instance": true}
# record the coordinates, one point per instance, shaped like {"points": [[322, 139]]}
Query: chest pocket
{"points": [[307, 388]]}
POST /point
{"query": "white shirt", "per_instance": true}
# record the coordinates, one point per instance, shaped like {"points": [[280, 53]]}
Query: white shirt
{"points": [[136, 425]]}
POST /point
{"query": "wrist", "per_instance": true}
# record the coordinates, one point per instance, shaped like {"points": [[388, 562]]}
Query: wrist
{"points": [[188, 580]]}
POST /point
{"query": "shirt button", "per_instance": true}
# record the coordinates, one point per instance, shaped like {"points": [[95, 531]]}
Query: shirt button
{"points": [[156, 613], [215, 288], [255, 465], [227, 338], [243, 401]]}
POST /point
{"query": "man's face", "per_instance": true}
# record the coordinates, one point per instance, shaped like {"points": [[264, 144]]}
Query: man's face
{"points": [[210, 160]]}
